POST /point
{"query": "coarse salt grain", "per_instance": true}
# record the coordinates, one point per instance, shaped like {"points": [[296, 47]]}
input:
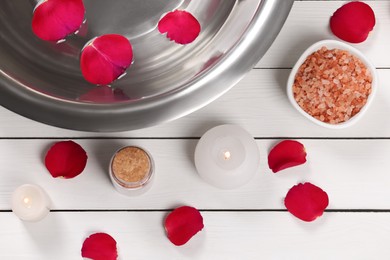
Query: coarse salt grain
{"points": [[332, 85]]}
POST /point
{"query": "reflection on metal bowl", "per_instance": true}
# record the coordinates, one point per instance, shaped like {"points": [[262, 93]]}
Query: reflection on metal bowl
{"points": [[42, 80]]}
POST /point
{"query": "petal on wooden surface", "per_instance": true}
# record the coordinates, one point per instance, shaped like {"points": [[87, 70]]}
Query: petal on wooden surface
{"points": [[182, 224], [353, 22], [306, 201], [66, 159], [288, 153], [99, 246]]}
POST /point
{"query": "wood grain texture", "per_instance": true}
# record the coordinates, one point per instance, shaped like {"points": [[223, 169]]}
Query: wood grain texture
{"points": [[227, 236], [352, 172]]}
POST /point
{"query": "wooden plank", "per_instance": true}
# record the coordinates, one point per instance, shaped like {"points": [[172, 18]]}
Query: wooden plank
{"points": [[258, 103], [352, 172], [227, 235], [308, 23]]}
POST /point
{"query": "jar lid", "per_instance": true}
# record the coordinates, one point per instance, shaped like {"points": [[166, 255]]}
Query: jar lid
{"points": [[131, 167]]}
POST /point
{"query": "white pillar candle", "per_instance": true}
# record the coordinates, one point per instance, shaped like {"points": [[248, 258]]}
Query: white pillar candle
{"points": [[30, 203], [227, 156]]}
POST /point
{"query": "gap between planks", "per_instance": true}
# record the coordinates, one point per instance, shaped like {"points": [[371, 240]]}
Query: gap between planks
{"points": [[212, 210]]}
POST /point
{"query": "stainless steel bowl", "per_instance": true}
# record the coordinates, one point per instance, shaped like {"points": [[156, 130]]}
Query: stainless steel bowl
{"points": [[42, 80]]}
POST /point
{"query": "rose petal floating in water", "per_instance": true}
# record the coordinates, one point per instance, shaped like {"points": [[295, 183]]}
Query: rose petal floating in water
{"points": [[66, 159], [306, 201], [99, 246], [353, 22], [182, 224], [53, 20], [180, 26], [105, 58], [286, 154]]}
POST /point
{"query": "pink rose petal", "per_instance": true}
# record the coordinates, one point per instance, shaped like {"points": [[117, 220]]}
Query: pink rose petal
{"points": [[99, 246], [353, 22], [180, 26], [288, 153], [106, 58], [182, 224], [306, 201], [53, 20], [66, 159]]}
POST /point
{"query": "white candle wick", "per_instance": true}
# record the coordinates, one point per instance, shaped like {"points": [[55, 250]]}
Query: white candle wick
{"points": [[27, 202], [227, 155]]}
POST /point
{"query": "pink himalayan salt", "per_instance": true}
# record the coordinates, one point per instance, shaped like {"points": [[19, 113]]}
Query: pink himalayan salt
{"points": [[332, 85]]}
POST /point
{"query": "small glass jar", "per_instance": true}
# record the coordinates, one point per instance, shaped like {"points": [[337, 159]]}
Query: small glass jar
{"points": [[131, 170]]}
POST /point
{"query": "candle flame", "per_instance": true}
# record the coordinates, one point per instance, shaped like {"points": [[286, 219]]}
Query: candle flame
{"points": [[227, 155], [27, 202]]}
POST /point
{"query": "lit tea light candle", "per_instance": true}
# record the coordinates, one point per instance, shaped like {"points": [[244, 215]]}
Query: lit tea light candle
{"points": [[30, 203], [227, 156], [131, 170]]}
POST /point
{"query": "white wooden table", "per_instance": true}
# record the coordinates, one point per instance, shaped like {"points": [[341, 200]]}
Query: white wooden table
{"points": [[351, 165]]}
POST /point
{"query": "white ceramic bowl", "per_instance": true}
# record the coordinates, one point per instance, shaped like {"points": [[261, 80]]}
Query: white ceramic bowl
{"points": [[332, 44]]}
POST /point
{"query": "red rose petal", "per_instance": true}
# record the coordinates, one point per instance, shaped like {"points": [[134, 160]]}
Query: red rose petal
{"points": [[353, 22], [53, 20], [66, 159], [306, 201], [99, 246], [106, 58], [286, 154], [182, 224], [180, 26]]}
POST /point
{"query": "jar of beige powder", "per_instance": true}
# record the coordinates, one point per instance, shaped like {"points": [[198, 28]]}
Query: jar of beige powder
{"points": [[131, 170]]}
